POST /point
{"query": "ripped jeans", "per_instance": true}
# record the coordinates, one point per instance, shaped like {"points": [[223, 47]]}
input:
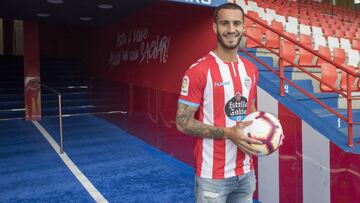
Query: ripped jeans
{"points": [[239, 189]]}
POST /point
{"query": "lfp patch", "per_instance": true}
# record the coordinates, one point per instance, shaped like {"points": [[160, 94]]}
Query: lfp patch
{"points": [[248, 82], [185, 86]]}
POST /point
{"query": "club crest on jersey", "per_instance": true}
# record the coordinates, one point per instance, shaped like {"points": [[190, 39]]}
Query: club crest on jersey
{"points": [[236, 107], [185, 86], [248, 82]]}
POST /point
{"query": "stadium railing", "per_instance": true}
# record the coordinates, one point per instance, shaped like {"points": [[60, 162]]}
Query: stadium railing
{"points": [[349, 75], [52, 90]]}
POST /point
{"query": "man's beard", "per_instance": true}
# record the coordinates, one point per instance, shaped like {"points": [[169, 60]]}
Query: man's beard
{"points": [[224, 45]]}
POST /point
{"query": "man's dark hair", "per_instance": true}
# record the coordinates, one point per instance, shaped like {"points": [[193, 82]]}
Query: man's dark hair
{"points": [[227, 6]]}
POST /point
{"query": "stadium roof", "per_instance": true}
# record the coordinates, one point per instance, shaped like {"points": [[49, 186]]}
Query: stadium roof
{"points": [[76, 12]]}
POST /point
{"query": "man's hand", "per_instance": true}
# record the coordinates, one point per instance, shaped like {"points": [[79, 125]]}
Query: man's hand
{"points": [[186, 123], [242, 141]]}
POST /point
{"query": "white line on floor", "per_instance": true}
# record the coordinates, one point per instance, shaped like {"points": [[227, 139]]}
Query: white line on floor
{"points": [[98, 197]]}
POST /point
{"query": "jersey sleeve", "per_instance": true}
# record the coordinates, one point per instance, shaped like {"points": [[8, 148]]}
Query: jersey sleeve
{"points": [[192, 87]]}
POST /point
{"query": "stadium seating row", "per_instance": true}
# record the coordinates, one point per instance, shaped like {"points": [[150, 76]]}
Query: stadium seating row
{"points": [[343, 54], [330, 75], [337, 45], [328, 26], [309, 9]]}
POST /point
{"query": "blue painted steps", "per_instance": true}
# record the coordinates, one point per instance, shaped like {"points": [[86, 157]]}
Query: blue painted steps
{"points": [[11, 105], [267, 60], [66, 75], [12, 113], [11, 90]]}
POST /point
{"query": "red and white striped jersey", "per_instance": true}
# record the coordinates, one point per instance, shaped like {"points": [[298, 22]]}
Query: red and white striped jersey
{"points": [[223, 93]]}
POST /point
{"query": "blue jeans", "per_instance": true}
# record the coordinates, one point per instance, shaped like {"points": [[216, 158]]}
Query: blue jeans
{"points": [[237, 189]]}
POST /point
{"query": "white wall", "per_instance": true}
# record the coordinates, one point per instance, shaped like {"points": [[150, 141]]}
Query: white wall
{"points": [[268, 184]]}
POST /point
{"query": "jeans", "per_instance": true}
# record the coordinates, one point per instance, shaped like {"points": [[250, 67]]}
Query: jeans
{"points": [[237, 189]]}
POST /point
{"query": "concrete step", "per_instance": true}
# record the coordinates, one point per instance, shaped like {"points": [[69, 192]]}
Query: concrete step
{"points": [[12, 113], [356, 132], [333, 120], [329, 99], [355, 103]]}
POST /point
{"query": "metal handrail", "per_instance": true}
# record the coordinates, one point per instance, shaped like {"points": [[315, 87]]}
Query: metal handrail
{"points": [[296, 86], [348, 96], [304, 47], [52, 90], [299, 67]]}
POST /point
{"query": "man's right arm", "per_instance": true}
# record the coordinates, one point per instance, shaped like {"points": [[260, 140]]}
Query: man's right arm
{"points": [[186, 123]]}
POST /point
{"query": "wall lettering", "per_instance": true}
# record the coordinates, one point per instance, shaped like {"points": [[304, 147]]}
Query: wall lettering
{"points": [[136, 45]]}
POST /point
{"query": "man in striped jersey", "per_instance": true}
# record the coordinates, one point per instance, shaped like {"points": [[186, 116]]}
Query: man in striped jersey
{"points": [[217, 92]]}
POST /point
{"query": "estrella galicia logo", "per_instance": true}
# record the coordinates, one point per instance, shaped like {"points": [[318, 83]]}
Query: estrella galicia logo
{"points": [[236, 107]]}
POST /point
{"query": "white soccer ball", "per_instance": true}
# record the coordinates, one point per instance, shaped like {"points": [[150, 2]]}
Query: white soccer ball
{"points": [[266, 128]]}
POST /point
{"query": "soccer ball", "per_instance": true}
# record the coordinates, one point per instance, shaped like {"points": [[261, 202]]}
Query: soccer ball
{"points": [[266, 128]]}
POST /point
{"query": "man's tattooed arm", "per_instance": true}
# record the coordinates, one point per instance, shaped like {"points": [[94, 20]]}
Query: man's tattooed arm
{"points": [[186, 123]]}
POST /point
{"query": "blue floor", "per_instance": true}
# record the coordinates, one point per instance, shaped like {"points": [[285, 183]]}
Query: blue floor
{"points": [[30, 170], [121, 167]]}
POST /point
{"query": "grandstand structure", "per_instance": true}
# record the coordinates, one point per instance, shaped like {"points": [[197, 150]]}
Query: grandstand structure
{"points": [[314, 49], [119, 76], [336, 30], [336, 40]]}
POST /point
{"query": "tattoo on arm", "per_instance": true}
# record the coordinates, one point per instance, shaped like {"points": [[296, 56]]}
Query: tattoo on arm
{"points": [[185, 120]]}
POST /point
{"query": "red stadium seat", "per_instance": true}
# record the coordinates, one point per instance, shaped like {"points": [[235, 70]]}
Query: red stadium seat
{"points": [[287, 51], [260, 27], [345, 25], [249, 23], [306, 57], [328, 32], [323, 21], [255, 33], [357, 34], [273, 39], [334, 26], [339, 55], [253, 14], [304, 21], [352, 29], [349, 35], [315, 23], [306, 40], [291, 35], [326, 17], [339, 33], [325, 51], [343, 84], [303, 14], [277, 26], [313, 17], [329, 75], [356, 44]]}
